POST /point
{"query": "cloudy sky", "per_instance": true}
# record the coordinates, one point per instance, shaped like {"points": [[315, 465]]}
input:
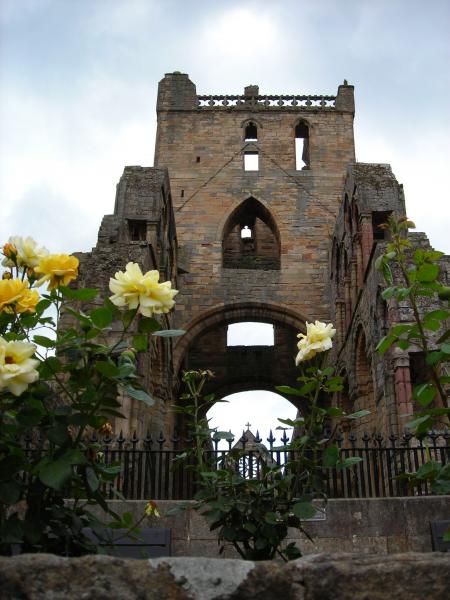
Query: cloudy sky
{"points": [[78, 81]]}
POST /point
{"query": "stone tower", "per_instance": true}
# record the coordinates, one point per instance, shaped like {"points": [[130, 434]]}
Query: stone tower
{"points": [[253, 219], [257, 211]]}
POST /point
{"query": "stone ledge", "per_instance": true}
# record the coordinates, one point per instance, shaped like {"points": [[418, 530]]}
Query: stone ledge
{"points": [[406, 576]]}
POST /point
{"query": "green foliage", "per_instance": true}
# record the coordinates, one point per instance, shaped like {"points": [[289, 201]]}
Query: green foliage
{"points": [[254, 514], [428, 330], [76, 393]]}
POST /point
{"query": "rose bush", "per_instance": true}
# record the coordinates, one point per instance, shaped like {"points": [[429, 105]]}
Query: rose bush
{"points": [[254, 513], [56, 385]]}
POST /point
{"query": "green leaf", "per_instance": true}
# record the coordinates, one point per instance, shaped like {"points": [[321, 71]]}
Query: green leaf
{"points": [[108, 369], [385, 343], [139, 395], [148, 325], [427, 272], [128, 316], [55, 474], [57, 434], [431, 325], [437, 314], [387, 273], [400, 329], [169, 332], [420, 421], [334, 411], [403, 344], [358, 414], [304, 510], [271, 518], [351, 461], [92, 479], [286, 389], [388, 293], [101, 317], [432, 358], [10, 492], [424, 394], [83, 294], [46, 342], [330, 456], [140, 342], [42, 306]]}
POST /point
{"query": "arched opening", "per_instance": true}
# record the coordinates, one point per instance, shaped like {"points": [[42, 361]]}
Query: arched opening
{"points": [[251, 132], [251, 238], [255, 411], [302, 158]]}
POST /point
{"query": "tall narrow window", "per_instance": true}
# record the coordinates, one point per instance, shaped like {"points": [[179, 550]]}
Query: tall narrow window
{"points": [[251, 161], [301, 146], [251, 132]]}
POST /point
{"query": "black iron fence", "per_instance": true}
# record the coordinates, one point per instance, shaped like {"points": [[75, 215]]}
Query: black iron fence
{"points": [[152, 470]]}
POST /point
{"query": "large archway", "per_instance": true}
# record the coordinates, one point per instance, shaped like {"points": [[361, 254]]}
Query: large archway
{"points": [[240, 368]]}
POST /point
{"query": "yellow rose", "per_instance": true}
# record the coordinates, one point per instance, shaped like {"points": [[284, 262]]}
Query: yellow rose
{"points": [[317, 339], [15, 295], [23, 251], [133, 289], [57, 269], [17, 368], [27, 303], [151, 510]]}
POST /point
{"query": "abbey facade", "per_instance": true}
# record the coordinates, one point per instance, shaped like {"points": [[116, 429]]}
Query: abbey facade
{"points": [[256, 210]]}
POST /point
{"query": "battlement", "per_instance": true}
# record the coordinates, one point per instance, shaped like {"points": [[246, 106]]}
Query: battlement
{"points": [[260, 102], [177, 92]]}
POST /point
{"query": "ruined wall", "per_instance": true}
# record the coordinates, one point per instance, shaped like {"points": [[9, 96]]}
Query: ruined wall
{"points": [[381, 384], [141, 230]]}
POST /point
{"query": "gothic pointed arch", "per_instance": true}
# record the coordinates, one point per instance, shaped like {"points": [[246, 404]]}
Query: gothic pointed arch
{"points": [[250, 238]]}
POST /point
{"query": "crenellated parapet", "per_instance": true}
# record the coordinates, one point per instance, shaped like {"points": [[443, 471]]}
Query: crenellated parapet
{"points": [[177, 92]]}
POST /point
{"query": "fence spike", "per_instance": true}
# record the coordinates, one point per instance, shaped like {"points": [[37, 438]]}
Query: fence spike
{"points": [[271, 439], [134, 438], [258, 439], [120, 439]]}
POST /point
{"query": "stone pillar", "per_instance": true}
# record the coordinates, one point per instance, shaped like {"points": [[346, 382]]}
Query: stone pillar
{"points": [[348, 301], [366, 238], [355, 282], [340, 321], [345, 99], [403, 389]]}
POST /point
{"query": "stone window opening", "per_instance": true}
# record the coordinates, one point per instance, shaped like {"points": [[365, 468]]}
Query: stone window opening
{"points": [[251, 132], [380, 218], [302, 159], [246, 232], [137, 230], [250, 333], [251, 160], [251, 238]]}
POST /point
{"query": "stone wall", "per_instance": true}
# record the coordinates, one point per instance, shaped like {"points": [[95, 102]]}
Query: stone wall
{"points": [[318, 577], [375, 525], [141, 230]]}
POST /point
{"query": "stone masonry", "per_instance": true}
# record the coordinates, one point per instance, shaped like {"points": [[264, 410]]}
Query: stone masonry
{"points": [[257, 211]]}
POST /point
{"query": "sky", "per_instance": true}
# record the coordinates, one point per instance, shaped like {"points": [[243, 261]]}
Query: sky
{"points": [[78, 83]]}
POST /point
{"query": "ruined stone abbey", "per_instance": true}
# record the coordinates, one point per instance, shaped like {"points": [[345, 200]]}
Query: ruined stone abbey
{"points": [[256, 210]]}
